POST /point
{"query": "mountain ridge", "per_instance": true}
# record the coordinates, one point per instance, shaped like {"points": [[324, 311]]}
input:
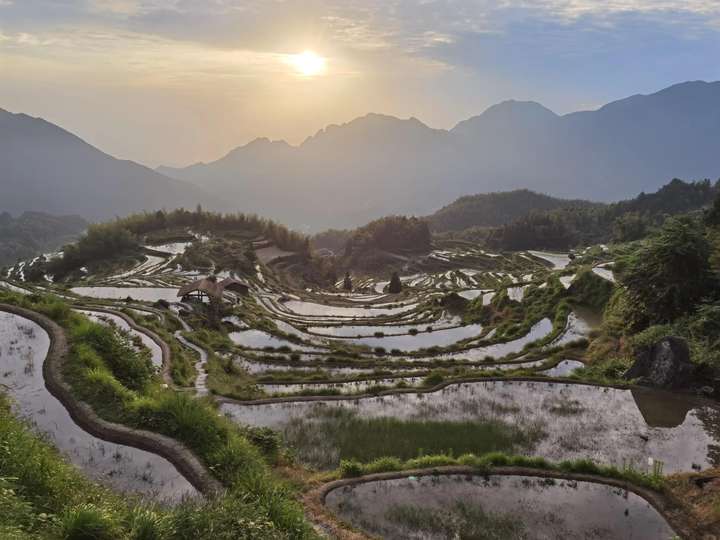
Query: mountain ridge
{"points": [[348, 174], [49, 169], [375, 165]]}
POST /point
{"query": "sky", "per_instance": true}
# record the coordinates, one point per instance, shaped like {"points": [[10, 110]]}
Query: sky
{"points": [[174, 82]]}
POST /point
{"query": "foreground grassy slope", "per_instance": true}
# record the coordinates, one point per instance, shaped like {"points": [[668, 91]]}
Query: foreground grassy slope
{"points": [[106, 372]]}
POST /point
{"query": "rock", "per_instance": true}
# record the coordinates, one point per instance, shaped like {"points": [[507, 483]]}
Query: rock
{"points": [[665, 364]]}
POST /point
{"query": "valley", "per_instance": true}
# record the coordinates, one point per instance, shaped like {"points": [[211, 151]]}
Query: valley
{"points": [[487, 369]]}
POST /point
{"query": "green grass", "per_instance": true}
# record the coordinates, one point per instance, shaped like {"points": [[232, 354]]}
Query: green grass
{"points": [[460, 519], [226, 379], [486, 462], [330, 436], [98, 358], [589, 289], [182, 369]]}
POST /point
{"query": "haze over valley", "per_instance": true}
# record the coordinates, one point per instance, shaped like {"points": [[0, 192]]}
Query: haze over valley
{"points": [[362, 269], [346, 175]]}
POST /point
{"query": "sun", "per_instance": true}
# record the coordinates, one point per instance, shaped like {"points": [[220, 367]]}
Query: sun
{"points": [[308, 63]]}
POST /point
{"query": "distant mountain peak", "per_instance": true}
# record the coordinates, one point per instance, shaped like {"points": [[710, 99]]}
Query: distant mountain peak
{"points": [[506, 114], [513, 106], [368, 124]]}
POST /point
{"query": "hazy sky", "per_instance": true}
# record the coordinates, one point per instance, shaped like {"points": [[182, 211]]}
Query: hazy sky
{"points": [[177, 81]]}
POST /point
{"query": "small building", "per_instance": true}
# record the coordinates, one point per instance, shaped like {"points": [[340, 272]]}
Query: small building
{"points": [[212, 289]]}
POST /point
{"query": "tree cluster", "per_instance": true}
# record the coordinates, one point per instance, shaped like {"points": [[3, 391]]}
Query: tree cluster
{"points": [[392, 233], [623, 221]]}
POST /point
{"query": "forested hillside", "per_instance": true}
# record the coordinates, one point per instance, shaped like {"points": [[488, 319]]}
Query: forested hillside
{"points": [[624, 221], [34, 232], [495, 209]]}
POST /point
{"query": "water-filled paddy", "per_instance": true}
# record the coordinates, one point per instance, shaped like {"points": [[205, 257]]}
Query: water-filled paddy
{"points": [[563, 368], [146, 294], [608, 425], [498, 350], [409, 342], [299, 307], [604, 273], [559, 260], [173, 248], [258, 339], [507, 507], [23, 347]]}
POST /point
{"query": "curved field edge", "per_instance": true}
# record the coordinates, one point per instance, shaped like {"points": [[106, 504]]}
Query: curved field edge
{"points": [[58, 353], [430, 390], [670, 508], [233, 472]]}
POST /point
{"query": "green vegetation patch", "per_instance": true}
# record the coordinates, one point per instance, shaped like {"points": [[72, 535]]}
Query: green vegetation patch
{"points": [[329, 436], [485, 463], [460, 520], [104, 371]]}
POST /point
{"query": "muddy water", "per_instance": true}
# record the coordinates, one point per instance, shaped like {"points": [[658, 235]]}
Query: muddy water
{"points": [[23, 347], [537, 508], [608, 425]]}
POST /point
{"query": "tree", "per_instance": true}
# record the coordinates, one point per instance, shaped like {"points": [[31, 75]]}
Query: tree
{"points": [[629, 227], [712, 216], [347, 282], [395, 284], [670, 275]]}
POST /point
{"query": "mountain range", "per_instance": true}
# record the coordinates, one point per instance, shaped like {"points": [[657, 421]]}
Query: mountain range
{"points": [[346, 175], [378, 165], [44, 168]]}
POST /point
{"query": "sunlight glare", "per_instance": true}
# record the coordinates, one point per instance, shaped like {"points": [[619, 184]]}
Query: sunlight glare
{"points": [[309, 63]]}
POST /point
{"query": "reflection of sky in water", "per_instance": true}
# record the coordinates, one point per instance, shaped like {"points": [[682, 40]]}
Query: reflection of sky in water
{"points": [[563, 368], [147, 294], [558, 260], [24, 346], [579, 421], [559, 509], [257, 339], [311, 309], [439, 338]]}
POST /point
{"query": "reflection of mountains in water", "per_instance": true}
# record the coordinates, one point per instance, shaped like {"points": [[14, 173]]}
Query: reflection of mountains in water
{"points": [[662, 409]]}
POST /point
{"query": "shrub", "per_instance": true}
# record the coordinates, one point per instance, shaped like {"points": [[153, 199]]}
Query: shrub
{"points": [[87, 522], [670, 275], [131, 368], [384, 464], [146, 524], [350, 468], [433, 379]]}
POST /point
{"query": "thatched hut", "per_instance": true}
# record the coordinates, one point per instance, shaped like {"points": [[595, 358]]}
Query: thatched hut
{"points": [[212, 289]]}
